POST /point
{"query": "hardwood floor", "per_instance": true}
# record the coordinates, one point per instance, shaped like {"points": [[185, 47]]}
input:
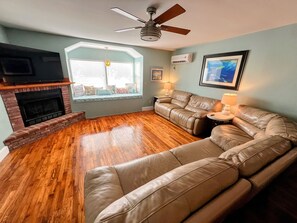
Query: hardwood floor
{"points": [[44, 181]]}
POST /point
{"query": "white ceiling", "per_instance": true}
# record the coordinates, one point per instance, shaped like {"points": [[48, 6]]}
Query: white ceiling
{"points": [[209, 20]]}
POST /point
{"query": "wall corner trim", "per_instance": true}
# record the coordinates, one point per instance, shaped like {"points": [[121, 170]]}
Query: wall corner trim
{"points": [[3, 152]]}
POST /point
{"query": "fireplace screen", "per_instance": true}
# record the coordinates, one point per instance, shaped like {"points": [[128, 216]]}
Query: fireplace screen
{"points": [[39, 106]]}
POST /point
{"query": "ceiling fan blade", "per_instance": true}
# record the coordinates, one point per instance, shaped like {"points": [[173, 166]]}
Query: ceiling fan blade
{"points": [[128, 29], [175, 29], [127, 14], [170, 14]]}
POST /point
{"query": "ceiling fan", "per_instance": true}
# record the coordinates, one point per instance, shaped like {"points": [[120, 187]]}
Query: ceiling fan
{"points": [[151, 31]]}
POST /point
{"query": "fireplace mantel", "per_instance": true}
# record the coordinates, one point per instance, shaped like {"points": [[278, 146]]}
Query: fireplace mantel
{"points": [[65, 82]]}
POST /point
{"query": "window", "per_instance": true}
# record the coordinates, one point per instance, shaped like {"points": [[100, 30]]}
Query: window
{"points": [[88, 73], [119, 74], [95, 81]]}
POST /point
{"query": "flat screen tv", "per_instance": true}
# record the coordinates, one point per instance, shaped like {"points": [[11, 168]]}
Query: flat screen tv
{"points": [[22, 65]]}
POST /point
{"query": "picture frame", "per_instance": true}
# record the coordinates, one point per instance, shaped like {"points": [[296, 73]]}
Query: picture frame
{"points": [[223, 70], [157, 74]]}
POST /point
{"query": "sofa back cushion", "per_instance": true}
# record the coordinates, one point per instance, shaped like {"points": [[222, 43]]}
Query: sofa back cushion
{"points": [[146, 169], [256, 154], [254, 116], [197, 103], [180, 98], [174, 195], [283, 127]]}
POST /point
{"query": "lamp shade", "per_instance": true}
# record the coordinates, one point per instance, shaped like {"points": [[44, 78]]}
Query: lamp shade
{"points": [[229, 99], [167, 86]]}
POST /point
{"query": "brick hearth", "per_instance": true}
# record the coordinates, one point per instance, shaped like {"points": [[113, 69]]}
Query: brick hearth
{"points": [[23, 135], [40, 130]]}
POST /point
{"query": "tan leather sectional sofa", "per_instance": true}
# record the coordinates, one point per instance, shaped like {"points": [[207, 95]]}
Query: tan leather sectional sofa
{"points": [[198, 182], [187, 110]]}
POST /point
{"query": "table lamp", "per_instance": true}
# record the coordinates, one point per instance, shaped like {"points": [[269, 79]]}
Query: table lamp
{"points": [[228, 100], [167, 87]]}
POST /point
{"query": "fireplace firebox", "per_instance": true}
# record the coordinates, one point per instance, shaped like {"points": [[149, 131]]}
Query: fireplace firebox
{"points": [[39, 106]]}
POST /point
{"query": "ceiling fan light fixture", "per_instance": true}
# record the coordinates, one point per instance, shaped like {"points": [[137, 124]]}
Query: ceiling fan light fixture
{"points": [[150, 33], [152, 29]]}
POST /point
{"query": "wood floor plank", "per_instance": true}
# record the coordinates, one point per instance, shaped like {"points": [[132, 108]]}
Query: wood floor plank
{"points": [[44, 181]]}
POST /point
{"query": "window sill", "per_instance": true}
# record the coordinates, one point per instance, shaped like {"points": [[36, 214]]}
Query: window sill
{"points": [[106, 97]]}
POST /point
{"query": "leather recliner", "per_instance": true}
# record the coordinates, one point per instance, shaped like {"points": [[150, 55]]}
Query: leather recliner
{"points": [[187, 110]]}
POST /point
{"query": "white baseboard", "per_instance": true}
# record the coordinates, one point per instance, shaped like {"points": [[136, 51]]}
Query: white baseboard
{"points": [[3, 152], [148, 108]]}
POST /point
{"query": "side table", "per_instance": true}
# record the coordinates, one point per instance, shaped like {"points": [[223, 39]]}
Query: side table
{"points": [[217, 118]]}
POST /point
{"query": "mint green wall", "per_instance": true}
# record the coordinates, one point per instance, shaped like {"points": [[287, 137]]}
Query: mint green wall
{"points": [[269, 80], [151, 58], [5, 127], [98, 54]]}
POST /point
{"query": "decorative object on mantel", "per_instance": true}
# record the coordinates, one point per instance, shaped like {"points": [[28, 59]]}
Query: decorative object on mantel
{"points": [[223, 70], [228, 100], [156, 74], [167, 87]]}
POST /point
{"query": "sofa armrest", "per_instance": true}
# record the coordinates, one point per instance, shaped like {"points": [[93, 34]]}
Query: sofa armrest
{"points": [[164, 100], [200, 114], [102, 187]]}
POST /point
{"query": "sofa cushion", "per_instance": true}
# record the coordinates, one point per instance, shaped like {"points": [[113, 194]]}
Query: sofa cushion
{"points": [[183, 118], [283, 127], [228, 136], [254, 116], [256, 154], [195, 151], [146, 169], [203, 103], [180, 191], [102, 187], [180, 98], [164, 109]]}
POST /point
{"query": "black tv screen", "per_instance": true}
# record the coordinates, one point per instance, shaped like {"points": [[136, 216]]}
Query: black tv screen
{"points": [[16, 66], [21, 65]]}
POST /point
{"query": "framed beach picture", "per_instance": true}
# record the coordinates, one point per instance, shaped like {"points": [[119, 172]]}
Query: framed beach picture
{"points": [[157, 74], [223, 70]]}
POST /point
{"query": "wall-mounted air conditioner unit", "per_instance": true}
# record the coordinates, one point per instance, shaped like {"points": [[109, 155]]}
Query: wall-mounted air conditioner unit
{"points": [[183, 58]]}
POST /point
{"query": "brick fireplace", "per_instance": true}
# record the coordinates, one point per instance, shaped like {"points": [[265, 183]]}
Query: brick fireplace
{"points": [[17, 98], [13, 109]]}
